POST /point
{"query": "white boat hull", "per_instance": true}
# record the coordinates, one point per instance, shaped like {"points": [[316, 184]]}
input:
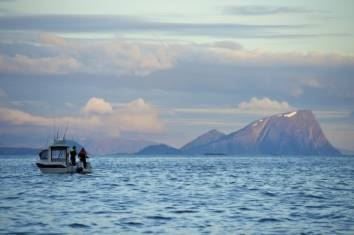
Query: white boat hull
{"points": [[62, 168]]}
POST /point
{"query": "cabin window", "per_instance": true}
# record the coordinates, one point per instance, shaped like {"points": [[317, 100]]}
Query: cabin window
{"points": [[58, 154], [43, 155]]}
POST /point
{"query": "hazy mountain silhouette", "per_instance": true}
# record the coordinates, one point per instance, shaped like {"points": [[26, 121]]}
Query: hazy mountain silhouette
{"points": [[293, 133], [159, 149]]}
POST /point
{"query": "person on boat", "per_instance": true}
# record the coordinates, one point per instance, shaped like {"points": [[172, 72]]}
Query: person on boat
{"points": [[83, 156], [73, 156]]}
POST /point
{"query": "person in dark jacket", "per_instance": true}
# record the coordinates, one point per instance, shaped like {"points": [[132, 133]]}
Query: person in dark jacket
{"points": [[83, 156], [73, 156]]}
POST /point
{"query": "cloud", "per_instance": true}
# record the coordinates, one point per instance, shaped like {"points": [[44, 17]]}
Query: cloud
{"points": [[104, 23], [137, 116], [115, 56], [227, 44], [18, 117], [97, 106], [141, 58], [132, 25], [266, 104], [52, 39], [21, 64], [99, 118], [264, 58], [256, 106], [265, 10]]}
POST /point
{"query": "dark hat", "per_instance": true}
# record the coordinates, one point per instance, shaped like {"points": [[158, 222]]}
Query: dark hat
{"points": [[74, 147]]}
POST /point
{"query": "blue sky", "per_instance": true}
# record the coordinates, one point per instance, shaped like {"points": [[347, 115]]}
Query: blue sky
{"points": [[168, 71]]}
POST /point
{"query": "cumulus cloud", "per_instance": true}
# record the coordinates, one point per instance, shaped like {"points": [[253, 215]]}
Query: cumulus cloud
{"points": [[265, 104], [136, 116], [98, 106], [257, 106], [99, 117]]}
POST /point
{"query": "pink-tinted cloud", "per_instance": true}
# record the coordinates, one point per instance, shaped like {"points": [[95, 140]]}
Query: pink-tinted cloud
{"points": [[135, 116], [117, 57], [256, 104], [21, 64], [97, 106]]}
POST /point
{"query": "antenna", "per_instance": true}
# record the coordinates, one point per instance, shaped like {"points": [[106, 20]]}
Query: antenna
{"points": [[66, 129], [55, 138]]}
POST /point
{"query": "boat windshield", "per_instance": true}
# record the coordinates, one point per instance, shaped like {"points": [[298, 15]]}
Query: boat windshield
{"points": [[58, 154], [43, 155]]}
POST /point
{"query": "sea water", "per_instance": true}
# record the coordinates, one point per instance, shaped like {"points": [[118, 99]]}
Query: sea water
{"points": [[181, 195]]}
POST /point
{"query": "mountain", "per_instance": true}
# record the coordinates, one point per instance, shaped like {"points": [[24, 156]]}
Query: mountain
{"points": [[159, 149], [294, 133], [209, 137]]}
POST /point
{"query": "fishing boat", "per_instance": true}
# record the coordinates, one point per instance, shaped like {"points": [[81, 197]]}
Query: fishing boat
{"points": [[56, 159]]}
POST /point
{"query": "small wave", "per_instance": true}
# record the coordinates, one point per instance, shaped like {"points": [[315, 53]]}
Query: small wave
{"points": [[218, 211], [244, 208], [11, 198], [184, 211], [270, 194], [314, 196], [158, 217], [267, 220], [101, 212], [78, 225], [315, 207], [133, 223], [82, 191]]}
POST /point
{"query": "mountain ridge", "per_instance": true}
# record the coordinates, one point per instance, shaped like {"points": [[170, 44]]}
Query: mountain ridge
{"points": [[159, 149], [291, 133], [202, 140]]}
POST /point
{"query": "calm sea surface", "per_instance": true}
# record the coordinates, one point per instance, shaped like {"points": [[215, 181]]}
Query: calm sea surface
{"points": [[181, 195]]}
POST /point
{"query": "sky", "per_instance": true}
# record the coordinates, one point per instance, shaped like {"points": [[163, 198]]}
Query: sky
{"points": [[167, 71]]}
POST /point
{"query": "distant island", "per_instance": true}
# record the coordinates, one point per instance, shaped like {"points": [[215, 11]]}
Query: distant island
{"points": [[292, 133], [159, 149]]}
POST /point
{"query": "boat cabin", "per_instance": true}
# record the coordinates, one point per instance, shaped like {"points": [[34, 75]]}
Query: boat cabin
{"points": [[58, 153], [56, 159]]}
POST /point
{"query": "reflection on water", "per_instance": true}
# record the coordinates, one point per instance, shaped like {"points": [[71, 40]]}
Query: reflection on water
{"points": [[181, 195]]}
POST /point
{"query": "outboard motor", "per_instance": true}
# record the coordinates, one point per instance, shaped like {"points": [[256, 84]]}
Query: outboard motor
{"points": [[80, 167]]}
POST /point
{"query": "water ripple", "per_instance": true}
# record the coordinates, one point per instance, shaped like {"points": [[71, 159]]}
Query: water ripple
{"points": [[181, 195]]}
